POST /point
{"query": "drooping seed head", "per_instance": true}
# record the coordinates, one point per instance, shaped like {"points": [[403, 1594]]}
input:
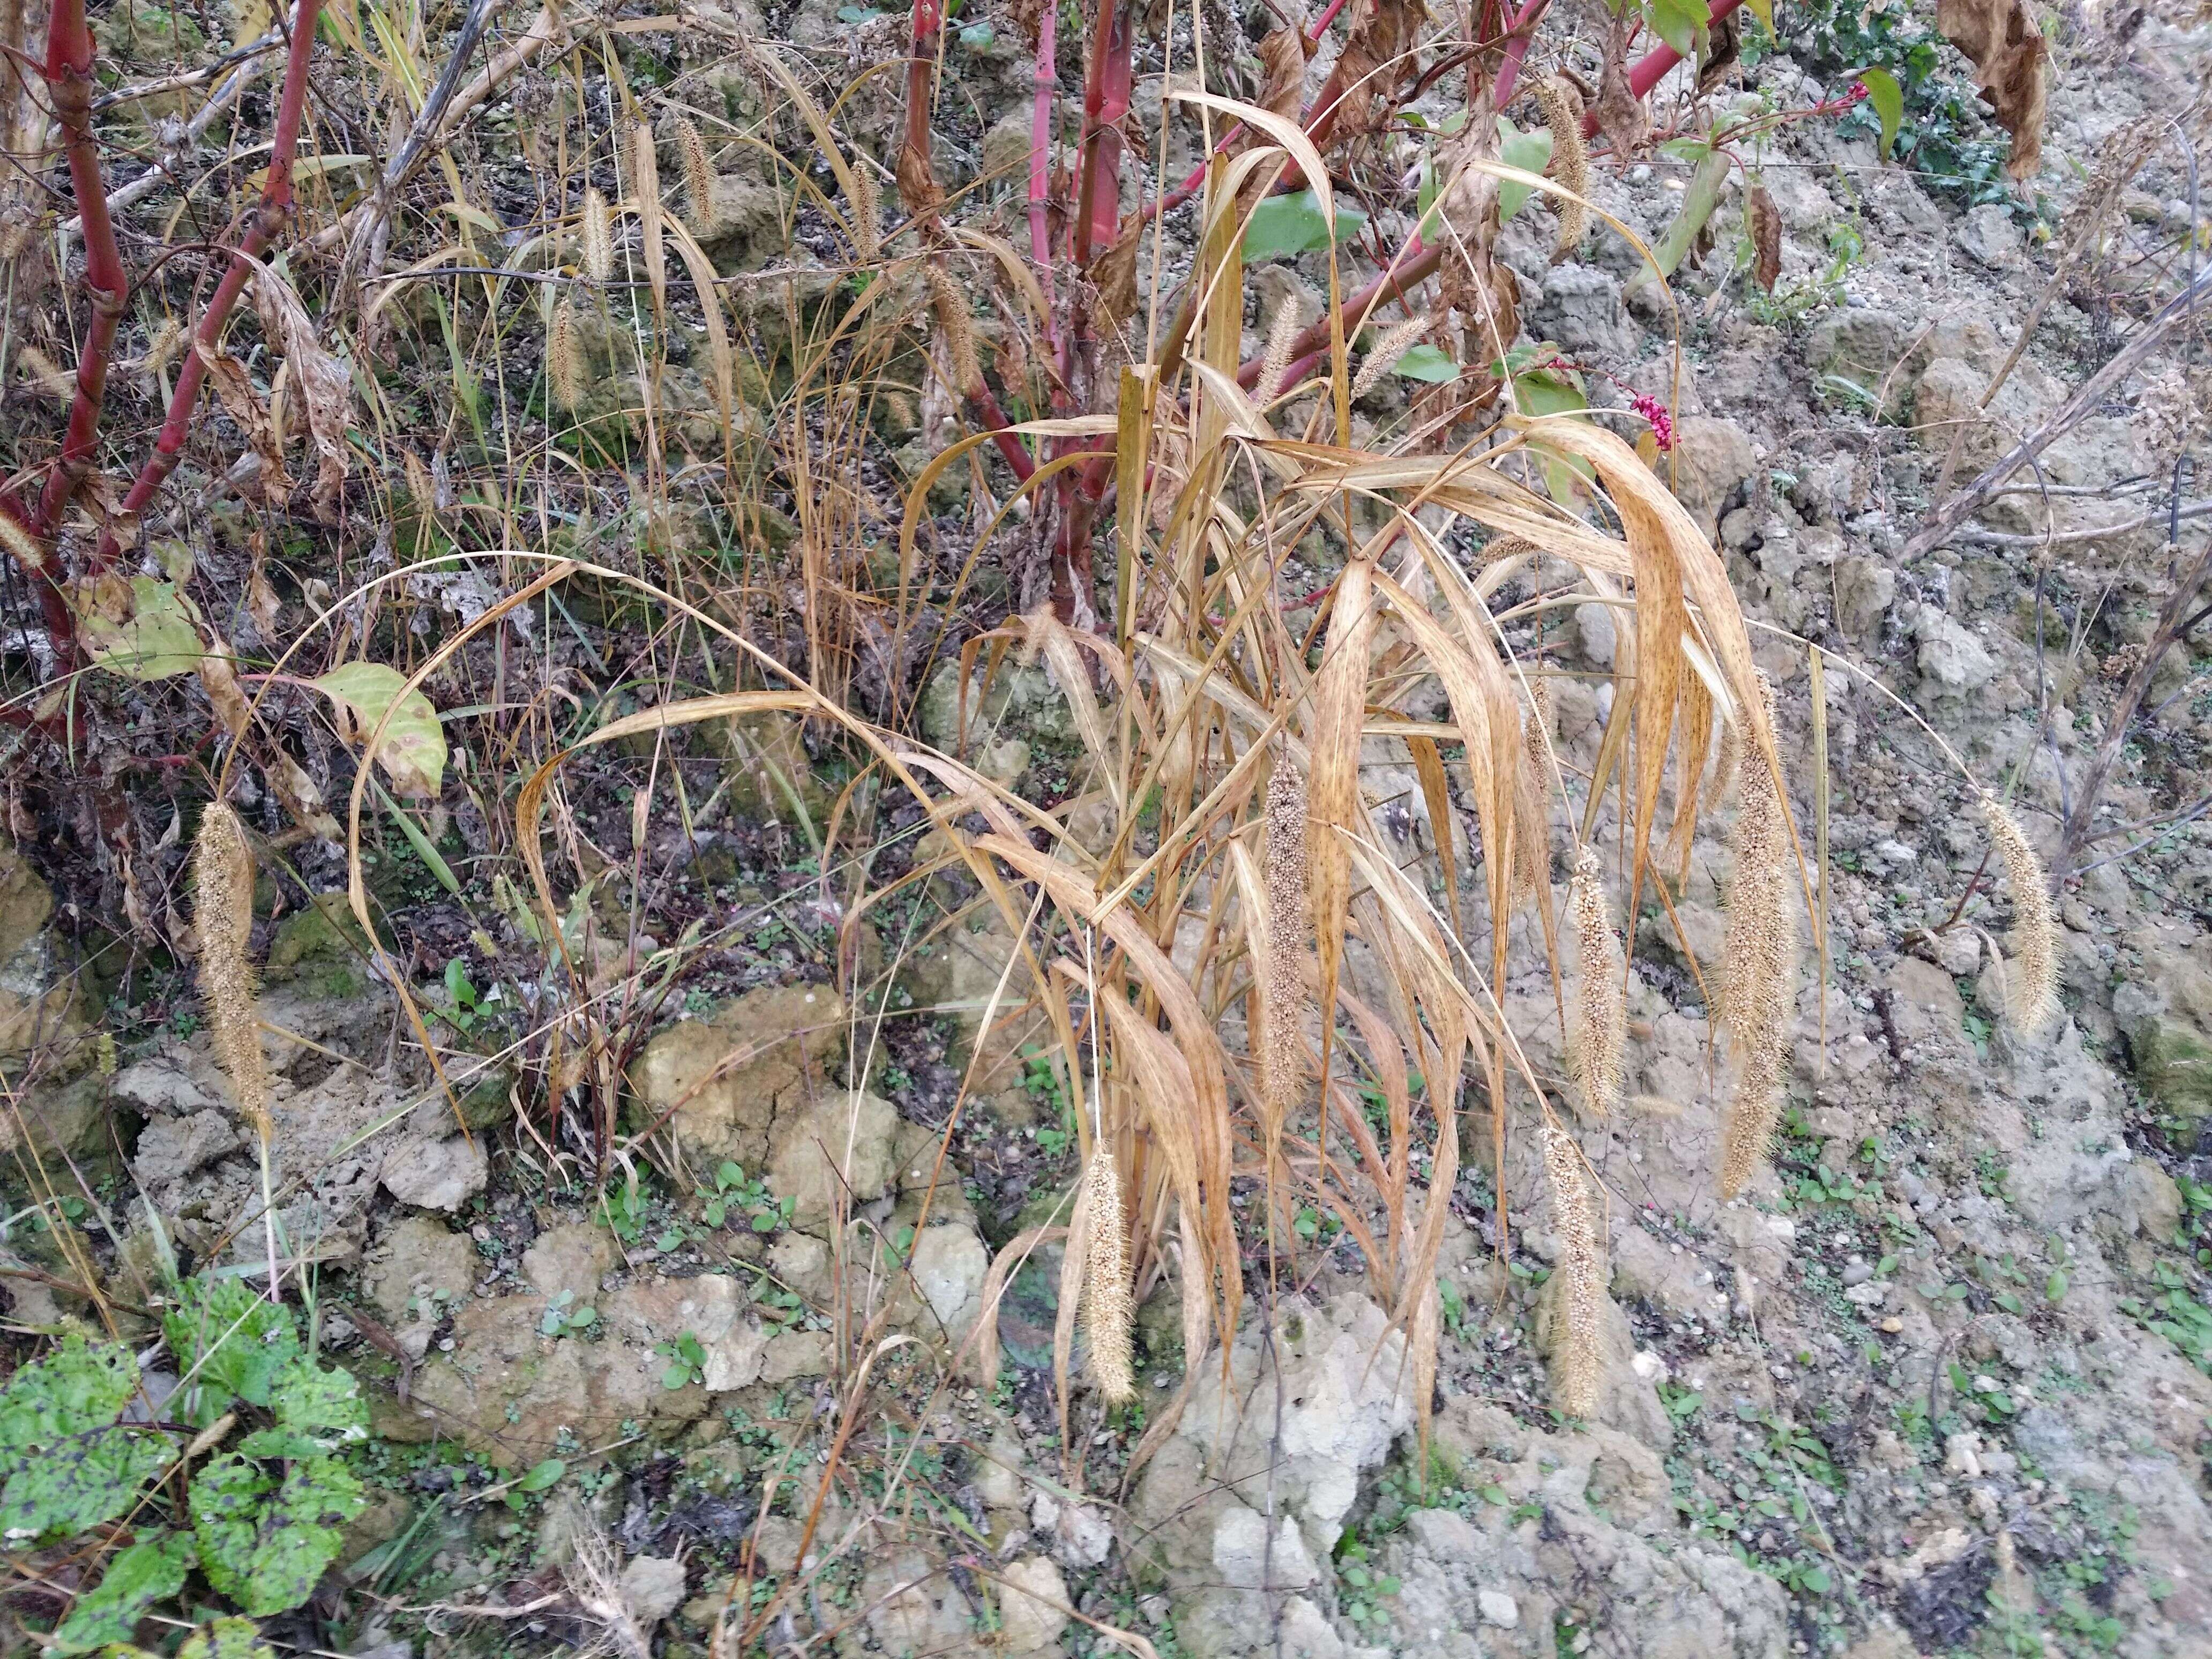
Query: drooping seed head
{"points": [[1563, 114], [1577, 1355], [2031, 979], [222, 875], [1109, 1311], [1593, 1046]]}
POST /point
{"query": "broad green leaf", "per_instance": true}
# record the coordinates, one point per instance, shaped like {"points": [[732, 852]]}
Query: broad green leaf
{"points": [[413, 750], [1285, 225], [148, 1572], [542, 1475], [266, 1544], [1554, 392], [225, 1638], [79, 1386], [155, 640], [317, 1412], [1425, 362], [1889, 101], [223, 1333], [1529, 151], [1678, 22], [1699, 201], [83, 1480]]}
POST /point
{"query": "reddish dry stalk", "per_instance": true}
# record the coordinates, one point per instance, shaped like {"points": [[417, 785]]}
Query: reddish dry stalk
{"points": [[269, 218], [914, 176], [1046, 84], [69, 83]]}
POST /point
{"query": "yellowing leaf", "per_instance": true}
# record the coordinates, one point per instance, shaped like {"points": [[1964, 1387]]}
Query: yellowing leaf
{"points": [[1889, 101], [412, 750], [146, 634]]}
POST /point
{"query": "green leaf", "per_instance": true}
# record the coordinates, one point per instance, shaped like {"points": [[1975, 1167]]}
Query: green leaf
{"points": [[148, 1572], [1529, 151], [675, 1376], [2054, 1288], [978, 37], [542, 1475], [413, 750], [158, 640], [1678, 22], [1425, 362], [79, 1386], [81, 1482], [225, 1638], [224, 1333], [1889, 101], [1285, 225], [262, 1544]]}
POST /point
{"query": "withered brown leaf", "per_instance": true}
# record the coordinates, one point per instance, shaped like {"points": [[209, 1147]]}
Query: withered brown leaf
{"points": [[1619, 111], [2011, 62], [1764, 222]]}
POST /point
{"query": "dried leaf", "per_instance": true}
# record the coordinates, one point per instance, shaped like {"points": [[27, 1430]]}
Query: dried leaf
{"points": [[1763, 223], [1376, 56], [1620, 114], [1114, 272], [1282, 57], [2010, 58], [325, 385], [219, 679], [234, 389], [302, 799]]}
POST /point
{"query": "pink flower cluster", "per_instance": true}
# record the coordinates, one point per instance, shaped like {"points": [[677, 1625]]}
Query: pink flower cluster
{"points": [[1662, 424]]}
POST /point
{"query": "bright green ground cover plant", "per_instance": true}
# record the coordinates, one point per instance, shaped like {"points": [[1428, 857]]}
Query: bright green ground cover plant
{"points": [[83, 1448]]}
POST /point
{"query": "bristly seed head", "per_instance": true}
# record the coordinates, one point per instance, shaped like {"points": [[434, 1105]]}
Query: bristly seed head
{"points": [[698, 173], [564, 359], [1283, 981], [1563, 114], [2032, 978], [598, 238], [1758, 990], [1578, 1351], [1601, 1010], [958, 327], [1109, 1311], [1384, 355], [223, 912]]}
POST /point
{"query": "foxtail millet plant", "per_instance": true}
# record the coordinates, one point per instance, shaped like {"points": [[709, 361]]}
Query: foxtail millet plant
{"points": [[1757, 975], [2031, 977]]}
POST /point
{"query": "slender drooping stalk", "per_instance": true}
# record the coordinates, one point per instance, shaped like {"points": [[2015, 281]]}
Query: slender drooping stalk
{"points": [[268, 220]]}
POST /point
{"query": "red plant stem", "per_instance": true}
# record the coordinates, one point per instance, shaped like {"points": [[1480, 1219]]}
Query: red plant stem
{"points": [[68, 81], [993, 419], [37, 560], [1105, 101], [1047, 85], [1516, 48], [1646, 72], [920, 69], [268, 219]]}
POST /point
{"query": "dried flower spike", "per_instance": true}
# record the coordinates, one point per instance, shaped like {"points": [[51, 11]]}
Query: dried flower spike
{"points": [[1578, 1355], [598, 238], [564, 364], [222, 874], [1758, 972], [1601, 1012], [1108, 1310], [1282, 982], [2032, 978], [1563, 114], [698, 173]]}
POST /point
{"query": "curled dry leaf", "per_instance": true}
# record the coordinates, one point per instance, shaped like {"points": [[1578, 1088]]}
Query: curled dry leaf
{"points": [[242, 403], [1619, 111], [2011, 61], [1283, 58], [303, 798], [1376, 58], [325, 385], [1764, 222], [219, 679]]}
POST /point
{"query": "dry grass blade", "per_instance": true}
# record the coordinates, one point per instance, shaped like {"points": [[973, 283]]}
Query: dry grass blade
{"points": [[1339, 710]]}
